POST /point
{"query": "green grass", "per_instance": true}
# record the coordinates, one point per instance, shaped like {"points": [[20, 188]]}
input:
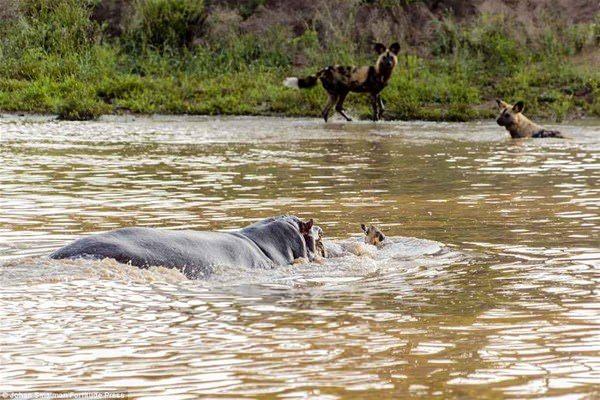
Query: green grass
{"points": [[56, 60]]}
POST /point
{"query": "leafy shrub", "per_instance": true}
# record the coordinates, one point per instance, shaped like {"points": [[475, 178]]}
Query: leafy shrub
{"points": [[164, 25], [119, 87], [76, 108], [174, 57], [54, 26], [78, 101], [490, 40]]}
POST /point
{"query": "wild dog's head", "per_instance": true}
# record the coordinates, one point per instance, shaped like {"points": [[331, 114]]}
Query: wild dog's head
{"points": [[372, 235], [388, 57], [509, 115]]}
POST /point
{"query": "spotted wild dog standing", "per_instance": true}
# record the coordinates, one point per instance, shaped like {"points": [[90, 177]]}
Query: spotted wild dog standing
{"points": [[518, 125], [338, 81]]}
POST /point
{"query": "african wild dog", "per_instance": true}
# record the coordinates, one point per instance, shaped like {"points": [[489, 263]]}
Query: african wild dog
{"points": [[372, 235], [338, 81], [518, 125]]}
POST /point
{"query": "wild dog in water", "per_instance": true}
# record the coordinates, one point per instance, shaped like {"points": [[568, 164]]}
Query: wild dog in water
{"points": [[518, 125], [373, 235], [338, 81]]}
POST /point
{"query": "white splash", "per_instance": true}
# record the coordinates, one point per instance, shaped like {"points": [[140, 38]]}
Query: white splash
{"points": [[348, 261]]}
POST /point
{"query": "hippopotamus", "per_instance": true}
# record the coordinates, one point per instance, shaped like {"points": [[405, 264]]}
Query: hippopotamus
{"points": [[268, 243]]}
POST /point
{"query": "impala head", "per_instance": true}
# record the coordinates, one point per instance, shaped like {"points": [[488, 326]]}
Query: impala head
{"points": [[372, 235], [317, 233]]}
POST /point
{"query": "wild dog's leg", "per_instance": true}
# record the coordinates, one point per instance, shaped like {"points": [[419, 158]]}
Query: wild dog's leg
{"points": [[381, 106], [332, 100], [375, 105], [339, 107]]}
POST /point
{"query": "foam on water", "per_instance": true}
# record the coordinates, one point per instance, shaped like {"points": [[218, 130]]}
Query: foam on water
{"points": [[348, 260], [31, 270]]}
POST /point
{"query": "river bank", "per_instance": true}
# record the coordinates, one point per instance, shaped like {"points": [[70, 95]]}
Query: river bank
{"points": [[416, 92], [65, 57]]}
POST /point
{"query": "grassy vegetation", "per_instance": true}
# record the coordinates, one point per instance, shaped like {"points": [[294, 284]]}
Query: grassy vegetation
{"points": [[174, 57]]}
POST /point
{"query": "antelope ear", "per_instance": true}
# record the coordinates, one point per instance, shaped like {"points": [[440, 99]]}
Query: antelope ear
{"points": [[518, 107], [502, 104], [363, 227], [395, 48], [379, 48]]}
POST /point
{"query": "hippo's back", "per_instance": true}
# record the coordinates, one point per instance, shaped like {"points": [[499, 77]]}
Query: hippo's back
{"points": [[192, 252]]}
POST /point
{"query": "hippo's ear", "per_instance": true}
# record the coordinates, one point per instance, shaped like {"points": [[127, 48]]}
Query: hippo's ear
{"points": [[395, 48], [305, 227], [310, 224], [518, 107], [379, 47], [364, 228], [502, 104]]}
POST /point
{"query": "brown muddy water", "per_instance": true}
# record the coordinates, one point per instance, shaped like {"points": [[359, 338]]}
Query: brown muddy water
{"points": [[487, 288]]}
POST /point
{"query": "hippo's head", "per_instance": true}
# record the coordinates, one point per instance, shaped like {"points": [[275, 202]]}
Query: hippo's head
{"points": [[313, 237], [372, 235]]}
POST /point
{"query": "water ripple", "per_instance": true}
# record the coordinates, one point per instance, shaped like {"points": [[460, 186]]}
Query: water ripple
{"points": [[507, 306]]}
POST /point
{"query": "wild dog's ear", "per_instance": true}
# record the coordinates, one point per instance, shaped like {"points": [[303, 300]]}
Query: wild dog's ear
{"points": [[379, 48], [501, 104], [364, 228], [381, 237], [305, 227], [518, 107], [395, 48]]}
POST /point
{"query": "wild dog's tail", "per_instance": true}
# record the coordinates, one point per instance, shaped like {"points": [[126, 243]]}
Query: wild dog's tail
{"points": [[302, 83], [548, 134]]}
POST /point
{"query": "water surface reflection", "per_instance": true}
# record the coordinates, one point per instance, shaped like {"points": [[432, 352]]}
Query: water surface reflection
{"points": [[507, 307]]}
